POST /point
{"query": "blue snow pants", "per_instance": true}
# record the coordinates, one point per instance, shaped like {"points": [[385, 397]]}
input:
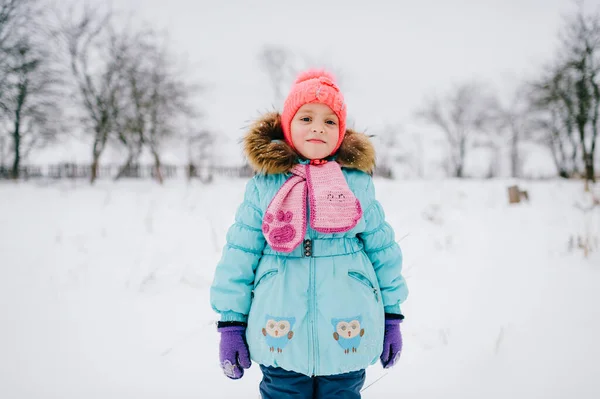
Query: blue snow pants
{"points": [[278, 383]]}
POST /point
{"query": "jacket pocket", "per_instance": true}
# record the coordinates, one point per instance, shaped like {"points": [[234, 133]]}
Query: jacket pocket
{"points": [[268, 275], [365, 281]]}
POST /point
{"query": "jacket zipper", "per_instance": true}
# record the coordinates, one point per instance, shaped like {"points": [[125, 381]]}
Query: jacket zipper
{"points": [[312, 297], [313, 307], [312, 304]]}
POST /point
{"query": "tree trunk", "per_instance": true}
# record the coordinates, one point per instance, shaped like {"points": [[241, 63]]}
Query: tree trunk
{"points": [[157, 166], [133, 157], [94, 167], [125, 167], [95, 162], [462, 152], [17, 148], [514, 153], [574, 156], [592, 154], [98, 149], [559, 167], [21, 97], [17, 139], [459, 171], [589, 168], [559, 155]]}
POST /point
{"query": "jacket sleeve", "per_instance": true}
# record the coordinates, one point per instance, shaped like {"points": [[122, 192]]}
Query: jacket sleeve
{"points": [[234, 276], [384, 253]]}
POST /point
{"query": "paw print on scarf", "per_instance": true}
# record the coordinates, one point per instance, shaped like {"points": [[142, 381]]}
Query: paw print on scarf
{"points": [[336, 197], [279, 234]]}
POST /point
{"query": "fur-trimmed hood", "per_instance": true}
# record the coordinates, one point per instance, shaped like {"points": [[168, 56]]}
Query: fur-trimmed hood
{"points": [[268, 153]]}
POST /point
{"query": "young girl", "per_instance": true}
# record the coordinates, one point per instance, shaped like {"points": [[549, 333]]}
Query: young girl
{"points": [[309, 283]]}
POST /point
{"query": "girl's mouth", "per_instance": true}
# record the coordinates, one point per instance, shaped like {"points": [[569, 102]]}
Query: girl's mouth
{"points": [[316, 141]]}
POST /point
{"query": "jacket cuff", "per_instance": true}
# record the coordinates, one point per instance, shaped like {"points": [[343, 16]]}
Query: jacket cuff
{"points": [[392, 309], [233, 316], [393, 316], [231, 325]]}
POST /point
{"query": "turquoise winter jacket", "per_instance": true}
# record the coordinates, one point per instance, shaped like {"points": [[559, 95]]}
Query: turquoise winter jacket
{"points": [[320, 314]]}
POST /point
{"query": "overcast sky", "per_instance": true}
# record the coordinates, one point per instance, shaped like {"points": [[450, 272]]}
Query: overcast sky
{"points": [[390, 53]]}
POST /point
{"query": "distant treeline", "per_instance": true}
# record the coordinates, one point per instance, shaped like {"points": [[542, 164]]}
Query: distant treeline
{"points": [[138, 171]]}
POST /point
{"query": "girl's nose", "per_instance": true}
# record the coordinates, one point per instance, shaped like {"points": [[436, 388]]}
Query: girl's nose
{"points": [[318, 130]]}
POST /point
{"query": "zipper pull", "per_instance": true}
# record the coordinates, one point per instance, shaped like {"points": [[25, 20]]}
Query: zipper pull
{"points": [[376, 294]]}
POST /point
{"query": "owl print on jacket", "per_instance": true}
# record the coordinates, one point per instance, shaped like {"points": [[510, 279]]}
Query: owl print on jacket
{"points": [[278, 332], [348, 333]]}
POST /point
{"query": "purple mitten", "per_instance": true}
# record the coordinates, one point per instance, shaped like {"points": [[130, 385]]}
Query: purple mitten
{"points": [[233, 349], [392, 340]]}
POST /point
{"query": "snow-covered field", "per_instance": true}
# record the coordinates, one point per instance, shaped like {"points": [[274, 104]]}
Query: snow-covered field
{"points": [[104, 291]]}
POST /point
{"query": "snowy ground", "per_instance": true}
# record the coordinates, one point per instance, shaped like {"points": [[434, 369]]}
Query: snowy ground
{"points": [[104, 291]]}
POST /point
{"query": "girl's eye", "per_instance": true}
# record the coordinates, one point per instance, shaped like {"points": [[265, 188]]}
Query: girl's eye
{"points": [[282, 326], [305, 119], [330, 122], [271, 326]]}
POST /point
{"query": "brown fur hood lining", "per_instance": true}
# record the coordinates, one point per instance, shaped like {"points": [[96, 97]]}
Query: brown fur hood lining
{"points": [[268, 153]]}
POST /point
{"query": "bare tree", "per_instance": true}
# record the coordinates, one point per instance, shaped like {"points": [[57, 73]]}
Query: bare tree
{"points": [[581, 49], [462, 115], [8, 15], [169, 101], [31, 83], [567, 98], [12, 18], [129, 84], [130, 116], [553, 103], [100, 85], [34, 103], [157, 100]]}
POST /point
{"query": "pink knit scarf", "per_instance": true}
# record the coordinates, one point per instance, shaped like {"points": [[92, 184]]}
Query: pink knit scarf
{"points": [[333, 206]]}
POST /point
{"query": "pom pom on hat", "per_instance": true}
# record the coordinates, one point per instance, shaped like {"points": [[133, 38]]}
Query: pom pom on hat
{"points": [[314, 74], [314, 86]]}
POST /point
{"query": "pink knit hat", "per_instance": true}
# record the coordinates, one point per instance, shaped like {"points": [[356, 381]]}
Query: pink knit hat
{"points": [[314, 86]]}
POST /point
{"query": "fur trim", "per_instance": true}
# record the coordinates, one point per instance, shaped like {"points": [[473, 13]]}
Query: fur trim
{"points": [[268, 153]]}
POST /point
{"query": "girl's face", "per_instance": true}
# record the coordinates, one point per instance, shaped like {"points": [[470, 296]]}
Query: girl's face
{"points": [[315, 131]]}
